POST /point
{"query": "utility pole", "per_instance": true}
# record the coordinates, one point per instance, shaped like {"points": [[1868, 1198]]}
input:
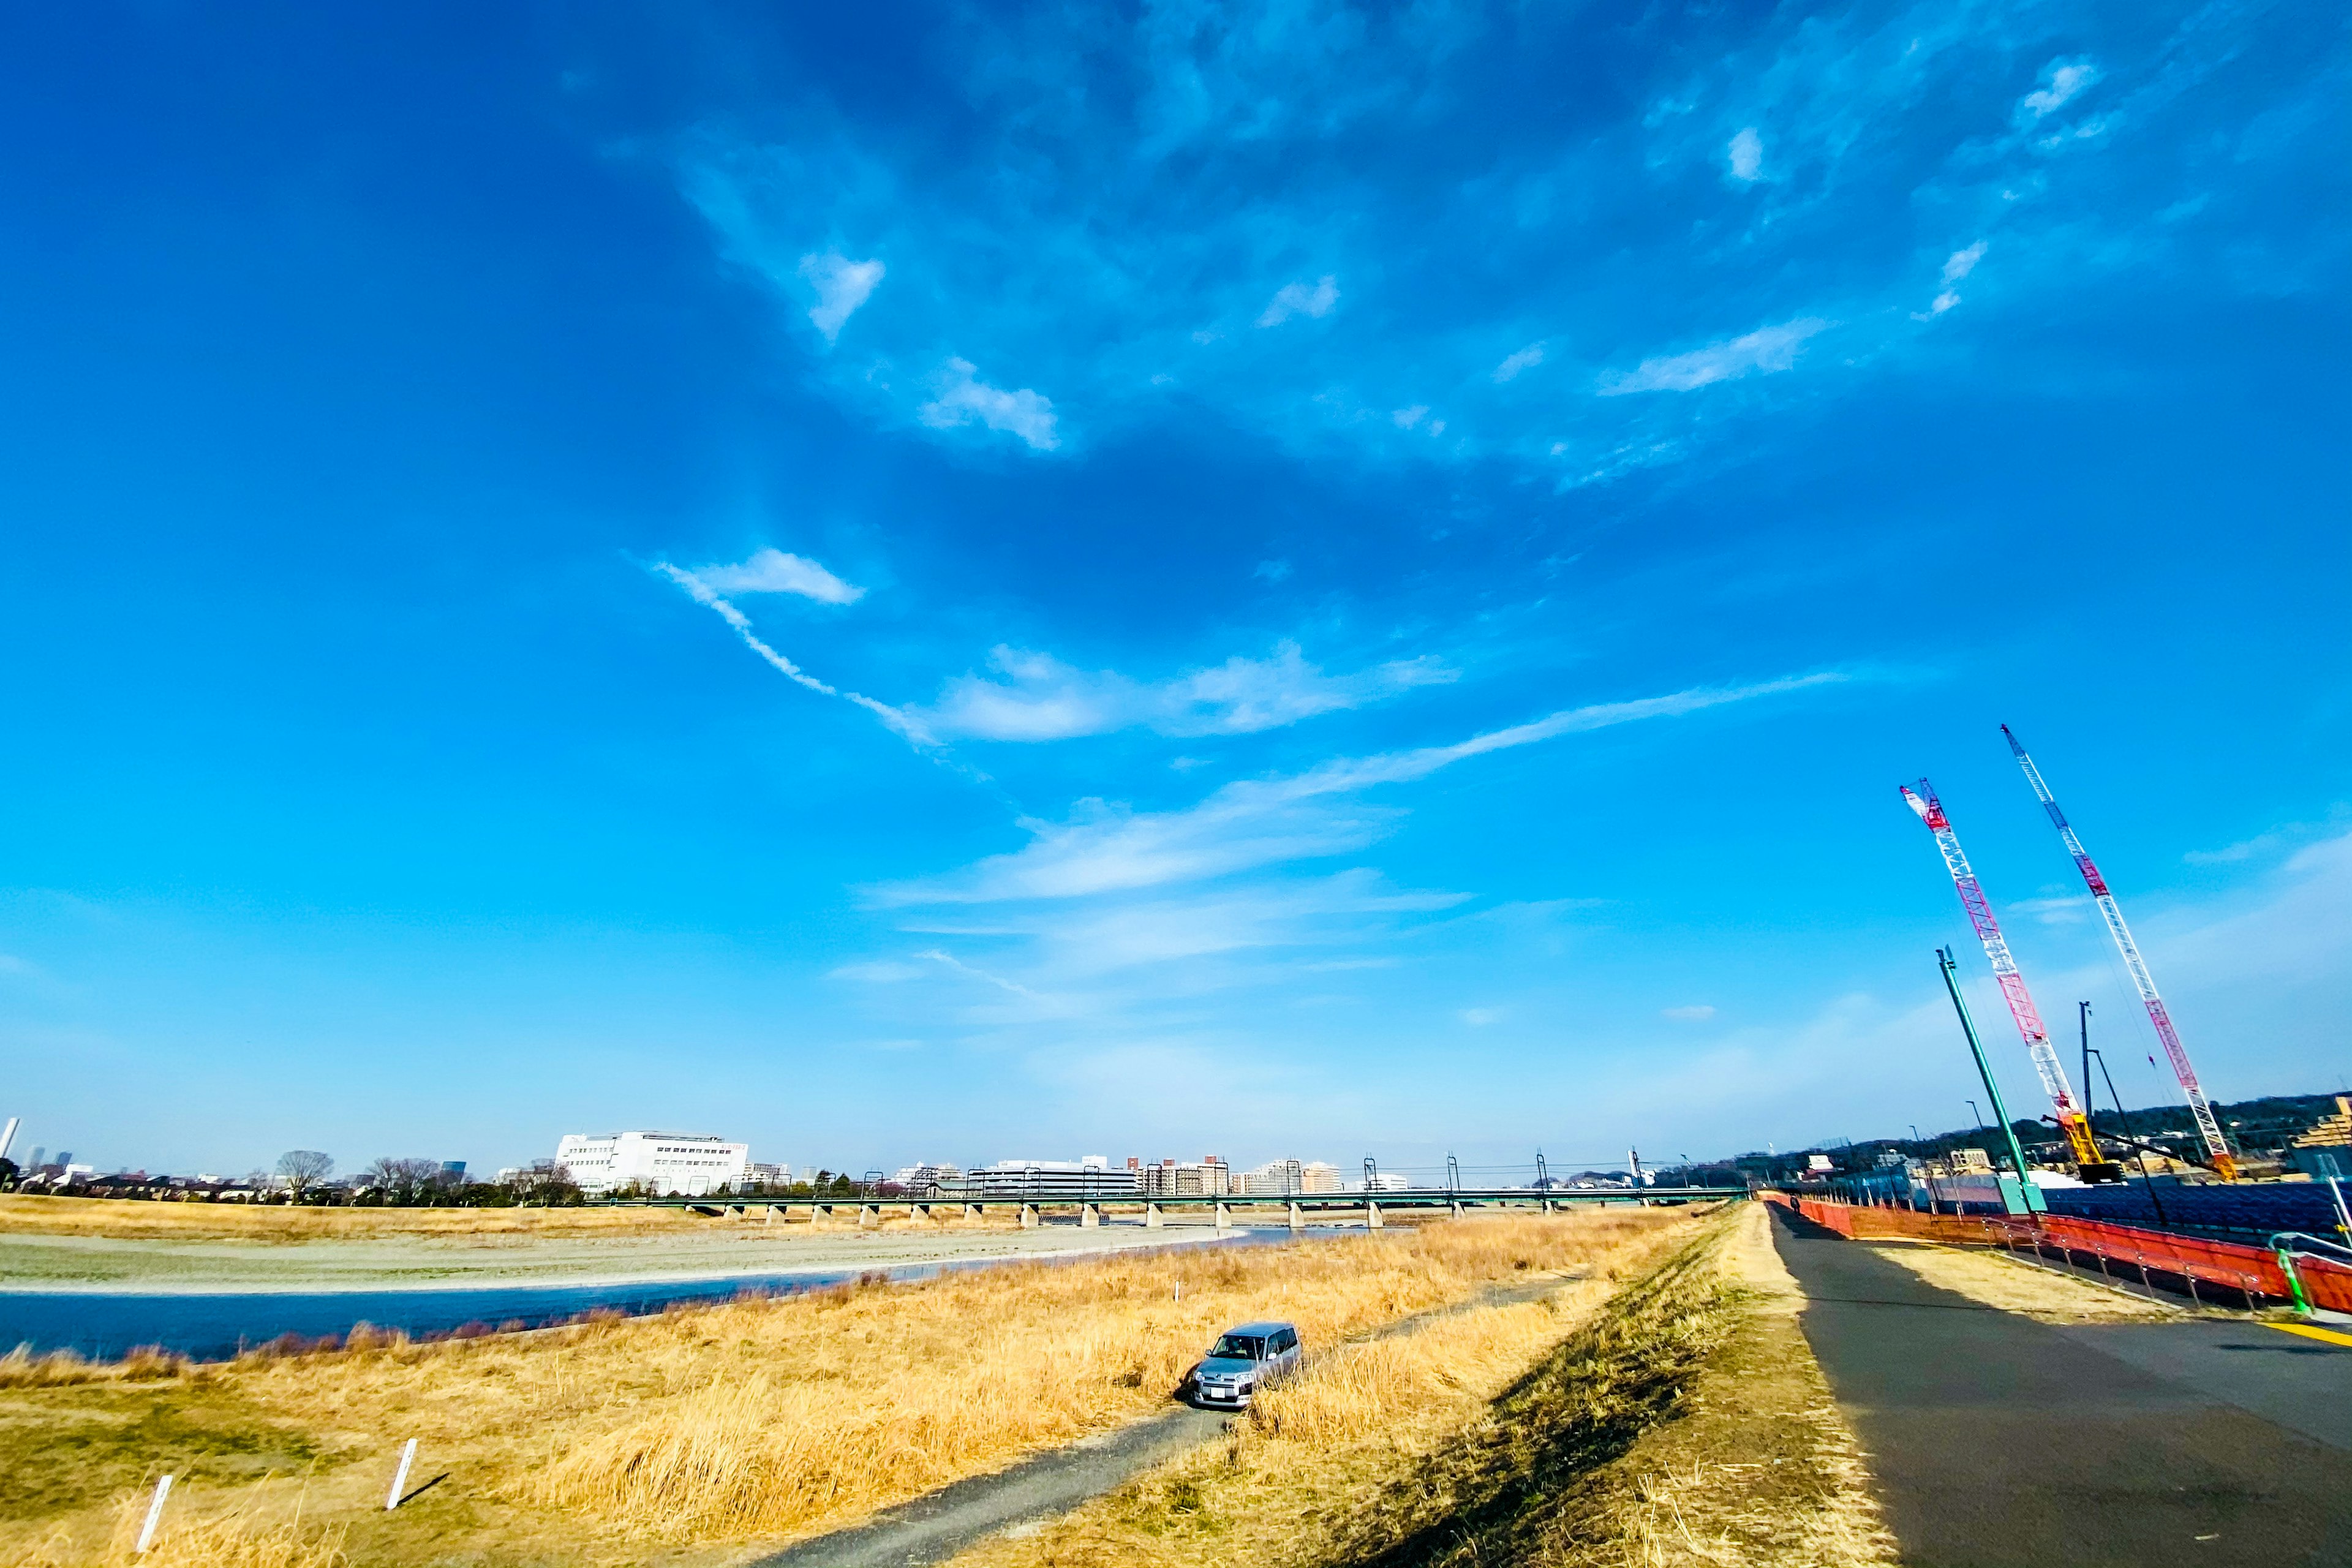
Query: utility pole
{"points": [[2131, 1143], [2027, 1193], [1974, 1114], [2083, 1022]]}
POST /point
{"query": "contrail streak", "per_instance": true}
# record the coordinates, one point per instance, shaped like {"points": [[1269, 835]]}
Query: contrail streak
{"points": [[700, 591]]}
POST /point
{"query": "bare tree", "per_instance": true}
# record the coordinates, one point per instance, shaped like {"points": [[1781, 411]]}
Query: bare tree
{"points": [[404, 1180], [301, 1169]]}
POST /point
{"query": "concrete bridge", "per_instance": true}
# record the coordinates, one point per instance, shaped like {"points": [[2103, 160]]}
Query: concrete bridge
{"points": [[1298, 1210]]}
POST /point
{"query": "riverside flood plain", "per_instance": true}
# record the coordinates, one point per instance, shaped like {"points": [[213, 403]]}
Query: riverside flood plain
{"points": [[696, 1435]]}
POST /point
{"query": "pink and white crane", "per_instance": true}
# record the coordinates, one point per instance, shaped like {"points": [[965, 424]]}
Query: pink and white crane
{"points": [[2070, 1120], [2217, 1147]]}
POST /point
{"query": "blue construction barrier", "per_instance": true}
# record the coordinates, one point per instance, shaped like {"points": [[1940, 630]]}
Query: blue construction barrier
{"points": [[2236, 1210]]}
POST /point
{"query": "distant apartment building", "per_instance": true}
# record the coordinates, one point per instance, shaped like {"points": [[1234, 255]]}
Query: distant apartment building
{"points": [[927, 1173], [1209, 1178], [684, 1164]]}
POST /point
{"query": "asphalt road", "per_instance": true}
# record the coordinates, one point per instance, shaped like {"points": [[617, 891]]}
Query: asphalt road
{"points": [[1999, 1442]]}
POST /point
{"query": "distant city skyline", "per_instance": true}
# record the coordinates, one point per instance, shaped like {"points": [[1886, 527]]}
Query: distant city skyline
{"points": [[900, 585]]}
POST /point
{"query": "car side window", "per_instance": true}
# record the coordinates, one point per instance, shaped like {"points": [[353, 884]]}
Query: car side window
{"points": [[1284, 1341]]}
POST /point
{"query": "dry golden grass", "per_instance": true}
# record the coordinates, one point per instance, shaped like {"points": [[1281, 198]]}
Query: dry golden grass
{"points": [[990, 1368], [761, 1420], [1682, 1425], [253, 1531], [1391, 1385], [1340, 1462], [1996, 1280], [1760, 1471], [21, 1369]]}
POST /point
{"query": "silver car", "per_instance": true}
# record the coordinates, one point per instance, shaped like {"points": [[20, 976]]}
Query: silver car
{"points": [[1243, 1360]]}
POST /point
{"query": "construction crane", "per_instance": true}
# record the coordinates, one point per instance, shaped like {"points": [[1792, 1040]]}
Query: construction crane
{"points": [[2224, 1162], [2070, 1120]]}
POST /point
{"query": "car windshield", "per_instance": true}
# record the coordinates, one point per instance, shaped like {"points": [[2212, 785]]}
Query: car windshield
{"points": [[1239, 1347]]}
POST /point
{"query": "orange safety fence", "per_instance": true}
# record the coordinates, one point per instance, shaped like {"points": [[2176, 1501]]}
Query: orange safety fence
{"points": [[2249, 1271]]}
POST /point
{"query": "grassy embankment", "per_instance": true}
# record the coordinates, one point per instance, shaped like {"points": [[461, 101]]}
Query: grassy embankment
{"points": [[690, 1436], [1681, 1422]]}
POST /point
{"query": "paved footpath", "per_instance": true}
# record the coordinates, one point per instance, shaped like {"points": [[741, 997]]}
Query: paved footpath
{"points": [[1999, 1442]]}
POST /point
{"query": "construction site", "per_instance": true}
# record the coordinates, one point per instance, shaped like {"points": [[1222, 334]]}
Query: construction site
{"points": [[2185, 1212]]}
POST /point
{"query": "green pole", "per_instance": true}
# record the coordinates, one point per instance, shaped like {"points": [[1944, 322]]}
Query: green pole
{"points": [[1984, 1070]]}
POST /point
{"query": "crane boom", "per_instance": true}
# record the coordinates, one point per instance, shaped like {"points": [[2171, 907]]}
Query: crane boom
{"points": [[2070, 1120], [2199, 1107]]}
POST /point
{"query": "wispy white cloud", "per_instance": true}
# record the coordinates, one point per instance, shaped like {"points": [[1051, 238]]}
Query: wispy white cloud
{"points": [[1036, 696], [772, 571], [1101, 848], [1075, 942], [1698, 1013], [2262, 846], [1764, 351], [2063, 81], [702, 594], [1301, 300], [1957, 266], [2057, 909], [963, 398], [1479, 1017], [1745, 155], [842, 284], [957, 965], [1526, 359]]}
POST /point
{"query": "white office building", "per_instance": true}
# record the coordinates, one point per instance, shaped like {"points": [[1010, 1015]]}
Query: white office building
{"points": [[1091, 1177], [686, 1163]]}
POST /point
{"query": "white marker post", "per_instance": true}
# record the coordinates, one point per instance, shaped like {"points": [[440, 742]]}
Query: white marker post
{"points": [[154, 1515], [400, 1475]]}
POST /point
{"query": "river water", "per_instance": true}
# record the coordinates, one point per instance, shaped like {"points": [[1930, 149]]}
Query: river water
{"points": [[214, 1326]]}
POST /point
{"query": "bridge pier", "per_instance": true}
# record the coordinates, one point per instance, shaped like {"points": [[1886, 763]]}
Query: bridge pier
{"points": [[772, 1216], [1297, 1219], [971, 1212], [869, 1214], [1454, 1208], [1089, 1216], [1372, 1220], [1224, 1215], [1029, 1220], [1152, 1219]]}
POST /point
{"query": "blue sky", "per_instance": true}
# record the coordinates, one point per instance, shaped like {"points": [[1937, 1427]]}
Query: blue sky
{"points": [[922, 582]]}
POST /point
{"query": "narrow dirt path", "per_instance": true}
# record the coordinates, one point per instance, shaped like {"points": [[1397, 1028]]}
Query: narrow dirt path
{"points": [[934, 1528]]}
